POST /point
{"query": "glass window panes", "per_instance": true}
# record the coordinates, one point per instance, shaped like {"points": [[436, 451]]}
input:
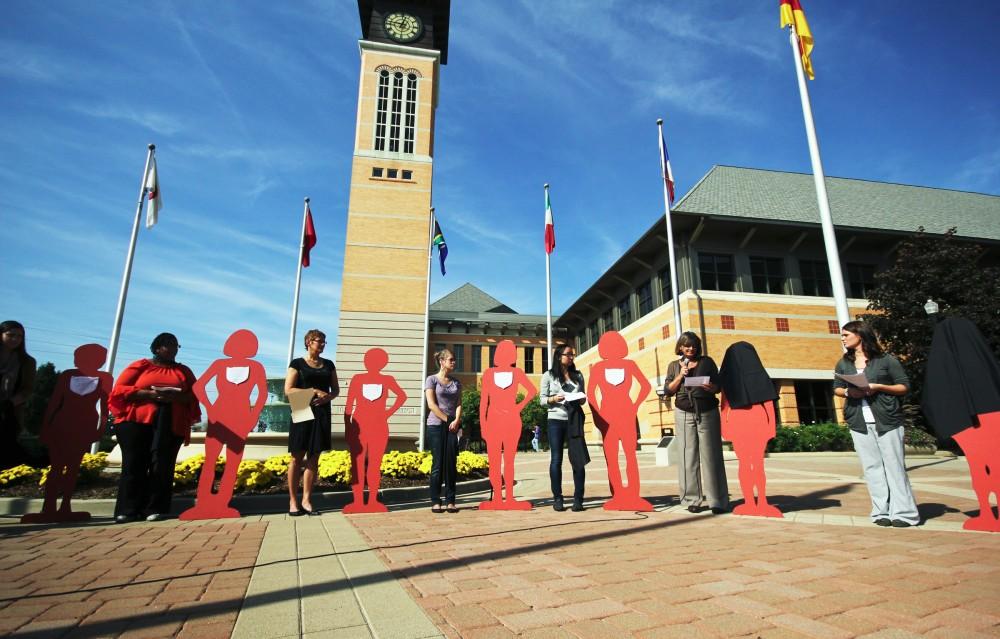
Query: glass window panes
{"points": [[666, 289], [529, 360], [861, 278], [459, 357], [545, 358], [493, 352], [815, 276], [624, 312], [645, 296], [594, 334], [607, 321], [768, 275], [716, 271], [815, 402]]}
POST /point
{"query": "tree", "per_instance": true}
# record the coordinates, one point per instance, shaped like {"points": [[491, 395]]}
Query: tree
{"points": [[947, 271], [45, 384]]}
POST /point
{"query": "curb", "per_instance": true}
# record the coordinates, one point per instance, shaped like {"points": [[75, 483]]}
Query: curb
{"points": [[251, 504]]}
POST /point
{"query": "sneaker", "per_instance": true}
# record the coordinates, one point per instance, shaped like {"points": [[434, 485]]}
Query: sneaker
{"points": [[156, 517], [883, 521], [899, 523]]}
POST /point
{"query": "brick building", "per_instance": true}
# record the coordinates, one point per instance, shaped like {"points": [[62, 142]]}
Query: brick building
{"points": [[752, 267]]}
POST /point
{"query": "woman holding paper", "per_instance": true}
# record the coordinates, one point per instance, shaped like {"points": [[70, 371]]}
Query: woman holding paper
{"points": [[444, 420], [693, 382], [154, 410], [565, 423], [307, 439], [872, 383]]}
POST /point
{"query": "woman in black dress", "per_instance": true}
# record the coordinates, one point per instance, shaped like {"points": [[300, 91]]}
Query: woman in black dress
{"points": [[308, 439]]}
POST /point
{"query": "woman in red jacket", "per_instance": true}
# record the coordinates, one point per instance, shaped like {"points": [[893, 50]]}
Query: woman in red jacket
{"points": [[154, 409]]}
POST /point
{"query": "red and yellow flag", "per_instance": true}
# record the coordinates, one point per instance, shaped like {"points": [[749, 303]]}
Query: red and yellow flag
{"points": [[792, 14]]}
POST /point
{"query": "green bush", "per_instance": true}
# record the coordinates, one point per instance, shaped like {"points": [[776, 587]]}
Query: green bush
{"points": [[811, 438]]}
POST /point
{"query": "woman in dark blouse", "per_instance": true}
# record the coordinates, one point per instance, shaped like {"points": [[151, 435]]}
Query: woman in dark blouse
{"points": [[308, 439]]}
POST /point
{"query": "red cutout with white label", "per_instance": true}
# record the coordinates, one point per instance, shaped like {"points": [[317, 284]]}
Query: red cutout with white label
{"points": [[500, 420], [981, 445], [230, 420], [366, 424], [73, 420], [614, 376], [749, 429]]}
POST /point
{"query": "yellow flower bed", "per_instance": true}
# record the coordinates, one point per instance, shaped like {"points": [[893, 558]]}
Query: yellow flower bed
{"points": [[469, 462], [403, 465], [90, 468], [278, 464], [186, 472], [17, 474], [253, 474]]}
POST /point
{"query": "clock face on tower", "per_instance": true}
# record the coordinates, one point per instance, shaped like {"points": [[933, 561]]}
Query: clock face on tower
{"points": [[403, 27]]}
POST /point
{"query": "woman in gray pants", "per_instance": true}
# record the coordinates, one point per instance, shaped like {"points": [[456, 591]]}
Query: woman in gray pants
{"points": [[698, 427]]}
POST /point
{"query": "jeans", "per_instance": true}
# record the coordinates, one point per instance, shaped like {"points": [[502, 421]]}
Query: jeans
{"points": [[557, 437], [443, 445]]}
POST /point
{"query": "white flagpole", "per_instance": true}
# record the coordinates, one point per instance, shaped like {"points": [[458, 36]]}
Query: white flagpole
{"points": [[674, 287], [298, 283], [427, 331], [826, 220], [127, 275], [548, 292]]}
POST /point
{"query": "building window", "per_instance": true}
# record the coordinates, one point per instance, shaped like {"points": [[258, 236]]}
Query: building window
{"points": [[529, 360], [459, 358], [768, 275], [833, 326], [595, 334], [862, 279], [395, 111], [815, 278], [666, 288], [407, 175], [377, 171], [729, 322], [607, 321], [477, 358], [645, 295], [665, 331], [781, 324], [392, 174], [716, 271], [642, 343], [815, 402], [493, 352], [545, 358], [625, 312]]}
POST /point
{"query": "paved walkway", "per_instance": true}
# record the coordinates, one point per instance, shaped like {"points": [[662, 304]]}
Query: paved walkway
{"points": [[823, 571]]}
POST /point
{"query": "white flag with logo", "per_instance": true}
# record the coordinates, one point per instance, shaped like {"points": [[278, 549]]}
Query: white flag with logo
{"points": [[152, 194]]}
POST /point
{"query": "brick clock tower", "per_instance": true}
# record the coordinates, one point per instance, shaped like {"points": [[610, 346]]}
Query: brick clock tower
{"points": [[403, 44]]}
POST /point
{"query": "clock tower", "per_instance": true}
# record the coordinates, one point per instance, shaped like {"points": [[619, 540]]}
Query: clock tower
{"points": [[403, 45]]}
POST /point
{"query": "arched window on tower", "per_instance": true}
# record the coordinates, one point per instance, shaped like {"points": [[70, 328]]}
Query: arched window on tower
{"points": [[396, 111]]}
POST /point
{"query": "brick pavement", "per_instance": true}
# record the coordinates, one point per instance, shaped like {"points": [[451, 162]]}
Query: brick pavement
{"points": [[824, 571], [138, 580]]}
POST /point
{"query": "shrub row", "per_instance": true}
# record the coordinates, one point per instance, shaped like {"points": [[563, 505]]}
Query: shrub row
{"points": [[832, 437]]}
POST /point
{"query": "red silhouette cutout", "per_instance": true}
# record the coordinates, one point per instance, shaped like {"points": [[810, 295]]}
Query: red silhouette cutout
{"points": [[230, 420], [750, 428], [981, 445], [70, 425], [613, 376], [500, 418], [366, 424]]}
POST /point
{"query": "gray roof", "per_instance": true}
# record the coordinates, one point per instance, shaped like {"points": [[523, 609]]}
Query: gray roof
{"points": [[791, 197], [470, 299]]}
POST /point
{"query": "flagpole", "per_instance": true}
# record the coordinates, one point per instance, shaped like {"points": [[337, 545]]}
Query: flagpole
{"points": [[548, 293], [674, 287], [427, 331], [826, 220], [127, 275], [298, 282]]}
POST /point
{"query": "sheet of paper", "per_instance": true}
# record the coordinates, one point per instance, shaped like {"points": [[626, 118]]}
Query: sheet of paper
{"points": [[299, 399], [166, 388], [858, 379], [696, 381], [574, 397]]}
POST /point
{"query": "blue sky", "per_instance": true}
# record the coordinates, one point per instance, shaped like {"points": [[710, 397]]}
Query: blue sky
{"points": [[252, 107]]}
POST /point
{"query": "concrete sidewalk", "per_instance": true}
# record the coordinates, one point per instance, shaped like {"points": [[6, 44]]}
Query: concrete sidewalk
{"points": [[823, 571]]}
